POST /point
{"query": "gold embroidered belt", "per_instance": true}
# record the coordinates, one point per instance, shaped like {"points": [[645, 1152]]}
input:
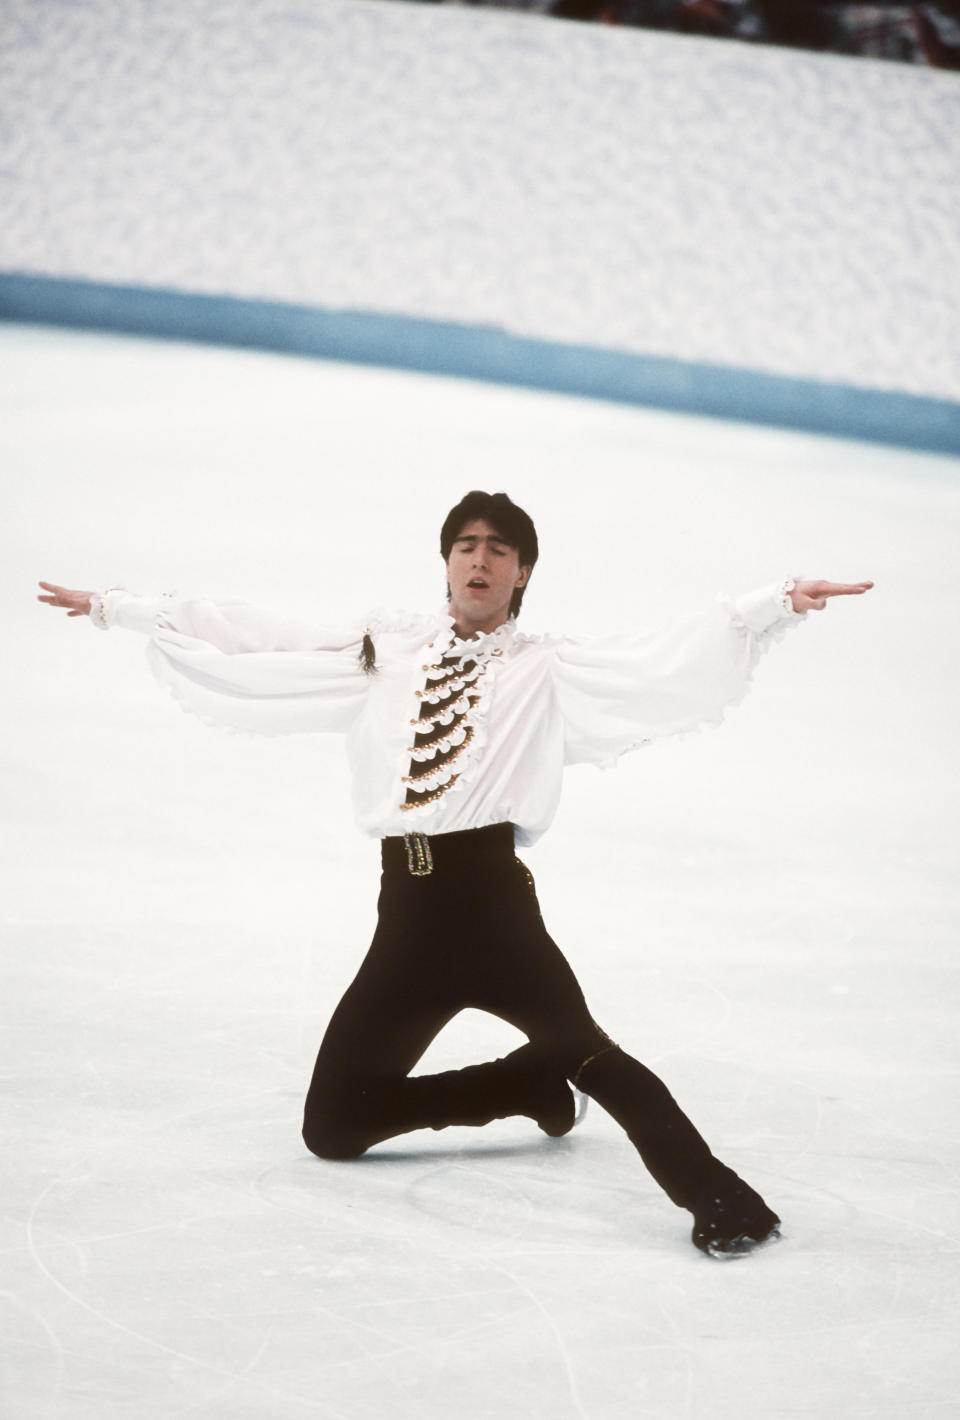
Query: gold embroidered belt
{"points": [[421, 854]]}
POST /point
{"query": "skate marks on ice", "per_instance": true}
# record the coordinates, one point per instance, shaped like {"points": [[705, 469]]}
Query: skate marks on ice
{"points": [[495, 1272], [452, 1237], [494, 1300], [621, 1283]]}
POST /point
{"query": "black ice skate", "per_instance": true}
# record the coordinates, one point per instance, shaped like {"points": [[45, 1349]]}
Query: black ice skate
{"points": [[730, 1219]]}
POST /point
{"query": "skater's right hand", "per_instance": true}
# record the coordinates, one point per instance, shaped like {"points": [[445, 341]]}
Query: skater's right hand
{"points": [[77, 603]]}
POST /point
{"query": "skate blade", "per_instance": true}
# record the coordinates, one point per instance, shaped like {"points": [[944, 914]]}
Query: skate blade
{"points": [[741, 1246]]}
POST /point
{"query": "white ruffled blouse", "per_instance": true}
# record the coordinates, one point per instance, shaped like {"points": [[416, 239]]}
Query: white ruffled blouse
{"points": [[520, 707]]}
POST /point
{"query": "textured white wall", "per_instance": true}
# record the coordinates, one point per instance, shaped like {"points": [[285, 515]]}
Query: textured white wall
{"points": [[744, 206]]}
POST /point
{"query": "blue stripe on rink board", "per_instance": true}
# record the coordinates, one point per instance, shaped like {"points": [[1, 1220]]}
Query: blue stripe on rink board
{"points": [[487, 353]]}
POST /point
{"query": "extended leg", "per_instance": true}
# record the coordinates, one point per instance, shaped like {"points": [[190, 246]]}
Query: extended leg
{"points": [[541, 996], [529, 982], [671, 1148], [728, 1215]]}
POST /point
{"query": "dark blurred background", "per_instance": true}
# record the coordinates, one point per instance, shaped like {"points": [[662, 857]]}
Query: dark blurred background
{"points": [[910, 34]]}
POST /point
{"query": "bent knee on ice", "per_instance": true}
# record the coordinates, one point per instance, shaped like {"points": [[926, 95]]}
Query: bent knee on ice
{"points": [[330, 1132]]}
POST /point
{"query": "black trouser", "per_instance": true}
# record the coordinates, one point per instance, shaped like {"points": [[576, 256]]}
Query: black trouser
{"points": [[469, 933]]}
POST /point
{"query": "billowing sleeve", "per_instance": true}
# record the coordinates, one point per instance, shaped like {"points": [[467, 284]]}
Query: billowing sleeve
{"points": [[620, 691], [244, 667]]}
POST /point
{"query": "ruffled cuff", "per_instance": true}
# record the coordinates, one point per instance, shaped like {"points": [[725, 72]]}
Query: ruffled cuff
{"points": [[101, 611], [768, 607], [118, 607]]}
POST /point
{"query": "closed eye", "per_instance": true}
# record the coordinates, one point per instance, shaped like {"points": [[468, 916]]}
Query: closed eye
{"points": [[470, 545]]}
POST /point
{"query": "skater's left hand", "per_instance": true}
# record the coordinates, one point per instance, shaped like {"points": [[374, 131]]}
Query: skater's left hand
{"points": [[813, 596]]}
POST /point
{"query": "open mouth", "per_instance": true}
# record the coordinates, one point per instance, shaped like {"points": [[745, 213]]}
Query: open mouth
{"points": [[477, 583]]}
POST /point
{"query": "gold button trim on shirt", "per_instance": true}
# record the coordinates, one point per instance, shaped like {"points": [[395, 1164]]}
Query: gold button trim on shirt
{"points": [[429, 798], [442, 742], [454, 754], [455, 710], [445, 690], [452, 691]]}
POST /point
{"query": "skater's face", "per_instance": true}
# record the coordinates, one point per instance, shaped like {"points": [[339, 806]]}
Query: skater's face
{"points": [[483, 571]]}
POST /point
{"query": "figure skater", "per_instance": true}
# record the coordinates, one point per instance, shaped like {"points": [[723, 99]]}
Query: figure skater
{"points": [[458, 727]]}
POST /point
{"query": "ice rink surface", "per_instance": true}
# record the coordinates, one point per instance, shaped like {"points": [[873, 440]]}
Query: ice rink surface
{"points": [[765, 913]]}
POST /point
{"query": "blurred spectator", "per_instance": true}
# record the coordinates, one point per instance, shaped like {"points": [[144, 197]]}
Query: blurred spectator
{"points": [[924, 34], [937, 50]]}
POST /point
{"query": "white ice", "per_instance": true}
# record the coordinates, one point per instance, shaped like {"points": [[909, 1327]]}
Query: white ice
{"points": [[765, 913]]}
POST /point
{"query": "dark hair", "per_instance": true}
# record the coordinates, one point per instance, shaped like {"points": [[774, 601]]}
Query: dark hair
{"points": [[511, 522]]}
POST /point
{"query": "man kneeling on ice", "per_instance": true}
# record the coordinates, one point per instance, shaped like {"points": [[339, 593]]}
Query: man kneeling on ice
{"points": [[458, 729]]}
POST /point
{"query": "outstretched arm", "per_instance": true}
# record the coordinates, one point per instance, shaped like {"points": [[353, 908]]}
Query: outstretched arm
{"points": [[233, 663], [113, 606], [620, 690], [813, 596]]}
